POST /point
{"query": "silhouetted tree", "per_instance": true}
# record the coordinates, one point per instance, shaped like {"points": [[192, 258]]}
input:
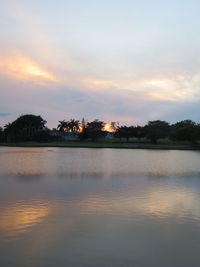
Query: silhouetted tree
{"points": [[63, 126], [73, 126], [93, 130], [156, 130], [60, 126], [114, 126], [32, 128], [140, 132], [42, 136], [24, 128], [185, 130], [125, 132], [69, 126]]}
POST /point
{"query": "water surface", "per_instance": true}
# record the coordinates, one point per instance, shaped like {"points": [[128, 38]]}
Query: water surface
{"points": [[99, 207]]}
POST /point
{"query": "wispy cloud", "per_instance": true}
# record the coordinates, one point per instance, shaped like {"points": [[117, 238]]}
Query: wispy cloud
{"points": [[131, 70], [24, 68]]}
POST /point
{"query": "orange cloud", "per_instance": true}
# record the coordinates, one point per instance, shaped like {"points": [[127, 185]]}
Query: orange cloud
{"points": [[23, 68]]}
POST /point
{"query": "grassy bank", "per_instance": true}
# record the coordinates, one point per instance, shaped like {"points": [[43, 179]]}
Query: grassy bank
{"points": [[105, 144]]}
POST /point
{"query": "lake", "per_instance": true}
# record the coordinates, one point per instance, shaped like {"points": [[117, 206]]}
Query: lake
{"points": [[99, 207]]}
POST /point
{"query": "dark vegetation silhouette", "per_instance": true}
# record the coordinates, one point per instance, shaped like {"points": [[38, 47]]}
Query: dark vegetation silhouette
{"points": [[30, 127], [25, 128], [69, 126], [93, 130], [156, 130]]}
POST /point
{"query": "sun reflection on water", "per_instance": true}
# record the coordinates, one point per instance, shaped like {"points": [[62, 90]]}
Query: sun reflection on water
{"points": [[19, 218]]}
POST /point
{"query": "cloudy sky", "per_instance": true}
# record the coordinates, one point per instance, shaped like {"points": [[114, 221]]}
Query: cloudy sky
{"points": [[129, 61]]}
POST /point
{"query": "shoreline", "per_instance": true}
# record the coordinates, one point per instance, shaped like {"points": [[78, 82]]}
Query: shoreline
{"points": [[117, 145]]}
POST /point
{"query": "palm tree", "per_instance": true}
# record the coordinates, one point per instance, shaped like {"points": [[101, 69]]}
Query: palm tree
{"points": [[74, 126], [61, 126]]}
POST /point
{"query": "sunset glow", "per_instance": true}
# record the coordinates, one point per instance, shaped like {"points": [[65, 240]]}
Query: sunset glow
{"points": [[17, 220], [99, 133], [24, 68], [108, 127], [139, 66]]}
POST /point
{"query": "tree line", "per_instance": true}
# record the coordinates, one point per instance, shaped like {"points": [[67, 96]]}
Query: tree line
{"points": [[33, 128]]}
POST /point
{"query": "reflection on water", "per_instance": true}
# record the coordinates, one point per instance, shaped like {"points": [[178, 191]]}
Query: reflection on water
{"points": [[99, 207], [20, 217], [103, 162]]}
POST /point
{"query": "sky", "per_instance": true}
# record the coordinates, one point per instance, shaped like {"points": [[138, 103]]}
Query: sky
{"points": [[128, 61]]}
